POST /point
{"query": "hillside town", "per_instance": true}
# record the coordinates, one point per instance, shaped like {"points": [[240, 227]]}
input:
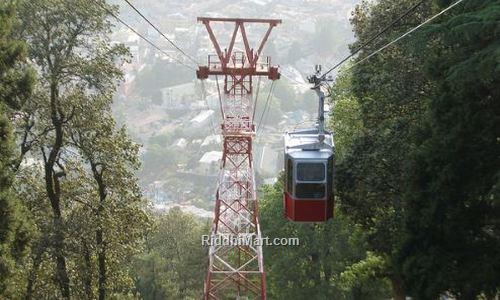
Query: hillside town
{"points": [[182, 114]]}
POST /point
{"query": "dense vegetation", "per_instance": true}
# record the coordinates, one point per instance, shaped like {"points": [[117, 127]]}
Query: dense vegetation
{"points": [[16, 83], [420, 174], [72, 172], [332, 261], [173, 264]]}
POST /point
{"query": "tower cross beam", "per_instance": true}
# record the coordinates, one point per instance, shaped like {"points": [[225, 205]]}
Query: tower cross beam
{"points": [[251, 58]]}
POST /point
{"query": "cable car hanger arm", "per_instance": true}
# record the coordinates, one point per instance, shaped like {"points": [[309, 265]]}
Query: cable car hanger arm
{"points": [[318, 80]]}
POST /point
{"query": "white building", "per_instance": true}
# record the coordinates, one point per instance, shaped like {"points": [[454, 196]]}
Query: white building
{"points": [[202, 119], [214, 139], [190, 209], [181, 143], [209, 162]]}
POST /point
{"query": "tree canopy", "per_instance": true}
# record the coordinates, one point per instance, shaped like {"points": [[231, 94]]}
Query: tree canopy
{"points": [[16, 82], [421, 172]]}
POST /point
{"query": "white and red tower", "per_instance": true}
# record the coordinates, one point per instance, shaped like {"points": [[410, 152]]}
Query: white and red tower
{"points": [[236, 270]]}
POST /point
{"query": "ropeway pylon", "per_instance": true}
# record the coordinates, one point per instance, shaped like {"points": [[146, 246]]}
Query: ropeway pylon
{"points": [[236, 268]]}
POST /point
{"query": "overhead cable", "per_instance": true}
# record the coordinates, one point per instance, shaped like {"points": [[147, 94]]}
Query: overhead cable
{"points": [[161, 33], [142, 36], [266, 106], [406, 34], [408, 12], [256, 99]]}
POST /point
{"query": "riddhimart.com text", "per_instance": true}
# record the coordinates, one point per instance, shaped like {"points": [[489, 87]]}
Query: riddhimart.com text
{"points": [[247, 240]]}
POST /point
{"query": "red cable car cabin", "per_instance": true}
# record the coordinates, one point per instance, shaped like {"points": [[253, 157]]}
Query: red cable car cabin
{"points": [[308, 188]]}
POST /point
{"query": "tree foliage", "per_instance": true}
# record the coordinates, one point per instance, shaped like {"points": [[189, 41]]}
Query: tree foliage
{"points": [[453, 229], [152, 78], [421, 173], [76, 169], [382, 101], [171, 267], [15, 86], [315, 268]]}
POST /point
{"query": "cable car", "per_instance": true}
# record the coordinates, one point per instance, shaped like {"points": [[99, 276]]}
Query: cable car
{"points": [[309, 165]]}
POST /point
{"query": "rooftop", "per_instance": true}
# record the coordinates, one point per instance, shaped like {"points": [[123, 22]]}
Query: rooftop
{"points": [[211, 156], [202, 116]]}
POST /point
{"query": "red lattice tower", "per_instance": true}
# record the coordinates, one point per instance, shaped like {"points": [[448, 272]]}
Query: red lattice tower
{"points": [[237, 270]]}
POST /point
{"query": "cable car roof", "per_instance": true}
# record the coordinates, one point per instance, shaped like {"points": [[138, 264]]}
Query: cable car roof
{"points": [[323, 154], [305, 144]]}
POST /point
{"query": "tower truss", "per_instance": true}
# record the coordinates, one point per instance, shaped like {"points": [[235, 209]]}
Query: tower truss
{"points": [[236, 267]]}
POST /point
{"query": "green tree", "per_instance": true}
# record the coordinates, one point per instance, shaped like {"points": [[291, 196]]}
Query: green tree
{"points": [[152, 78], [172, 266], [89, 214], [314, 269], [58, 31], [387, 103], [453, 212], [15, 86], [345, 115], [113, 203], [421, 174]]}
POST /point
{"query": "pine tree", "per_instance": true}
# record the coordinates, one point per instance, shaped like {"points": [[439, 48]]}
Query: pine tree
{"points": [[453, 211], [14, 86]]}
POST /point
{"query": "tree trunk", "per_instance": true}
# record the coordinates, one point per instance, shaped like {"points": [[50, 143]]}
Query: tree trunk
{"points": [[58, 234], [316, 276], [398, 292], [101, 257], [37, 259], [52, 186], [101, 247], [87, 281], [61, 271]]}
